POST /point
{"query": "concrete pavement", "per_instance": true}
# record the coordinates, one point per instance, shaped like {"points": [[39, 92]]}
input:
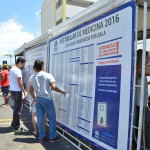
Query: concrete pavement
{"points": [[25, 140]]}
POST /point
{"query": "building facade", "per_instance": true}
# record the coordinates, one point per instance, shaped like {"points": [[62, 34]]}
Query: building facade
{"points": [[54, 12]]}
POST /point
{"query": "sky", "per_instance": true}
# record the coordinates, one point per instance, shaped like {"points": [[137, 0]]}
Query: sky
{"points": [[19, 23]]}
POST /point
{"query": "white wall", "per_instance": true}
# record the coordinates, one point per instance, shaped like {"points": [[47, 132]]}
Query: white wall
{"points": [[73, 10], [140, 44], [47, 15], [10, 61]]}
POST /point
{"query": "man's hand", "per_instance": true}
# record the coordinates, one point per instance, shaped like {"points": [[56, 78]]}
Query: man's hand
{"points": [[25, 94], [64, 93], [33, 101]]}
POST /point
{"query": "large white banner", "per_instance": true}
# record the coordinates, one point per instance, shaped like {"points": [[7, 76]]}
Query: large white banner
{"points": [[37, 52], [94, 64]]}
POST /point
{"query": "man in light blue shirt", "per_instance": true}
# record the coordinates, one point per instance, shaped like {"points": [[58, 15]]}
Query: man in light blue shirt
{"points": [[40, 84]]}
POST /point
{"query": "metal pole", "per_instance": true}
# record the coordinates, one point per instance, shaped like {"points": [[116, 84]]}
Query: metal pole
{"points": [[142, 75], [134, 88]]}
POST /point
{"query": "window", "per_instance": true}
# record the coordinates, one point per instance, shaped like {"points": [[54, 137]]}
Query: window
{"points": [[58, 4], [59, 21]]}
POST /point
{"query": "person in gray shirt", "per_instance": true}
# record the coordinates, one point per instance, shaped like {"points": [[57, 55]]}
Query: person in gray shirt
{"points": [[41, 84]]}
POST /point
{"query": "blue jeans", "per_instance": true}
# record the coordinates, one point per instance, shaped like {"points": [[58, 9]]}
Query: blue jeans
{"points": [[44, 105]]}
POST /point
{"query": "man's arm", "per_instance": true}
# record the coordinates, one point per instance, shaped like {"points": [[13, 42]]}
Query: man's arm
{"points": [[53, 87], [31, 91], [147, 71], [19, 80]]}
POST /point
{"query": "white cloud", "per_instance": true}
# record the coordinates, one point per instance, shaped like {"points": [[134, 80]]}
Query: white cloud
{"points": [[38, 13], [12, 36]]}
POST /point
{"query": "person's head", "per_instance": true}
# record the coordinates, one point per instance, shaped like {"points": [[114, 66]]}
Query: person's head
{"points": [[38, 65], [20, 63], [5, 66]]}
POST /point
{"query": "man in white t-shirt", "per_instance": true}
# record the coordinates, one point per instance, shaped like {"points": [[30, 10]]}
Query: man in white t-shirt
{"points": [[16, 90], [41, 84]]}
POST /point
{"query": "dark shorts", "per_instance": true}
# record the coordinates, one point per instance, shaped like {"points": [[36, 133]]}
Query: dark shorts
{"points": [[5, 90]]}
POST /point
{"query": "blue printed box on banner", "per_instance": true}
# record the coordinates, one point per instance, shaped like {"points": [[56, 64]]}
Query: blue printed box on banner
{"points": [[106, 107]]}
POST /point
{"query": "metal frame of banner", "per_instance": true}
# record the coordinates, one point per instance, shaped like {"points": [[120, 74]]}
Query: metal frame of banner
{"points": [[134, 88], [139, 128], [142, 75]]}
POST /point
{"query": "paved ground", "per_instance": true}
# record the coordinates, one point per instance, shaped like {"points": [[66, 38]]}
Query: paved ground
{"points": [[25, 140]]}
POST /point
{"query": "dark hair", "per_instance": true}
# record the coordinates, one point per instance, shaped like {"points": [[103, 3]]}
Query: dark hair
{"points": [[20, 59], [38, 64], [5, 66]]}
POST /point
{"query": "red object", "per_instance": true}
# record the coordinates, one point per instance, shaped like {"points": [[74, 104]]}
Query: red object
{"points": [[5, 82], [117, 45]]}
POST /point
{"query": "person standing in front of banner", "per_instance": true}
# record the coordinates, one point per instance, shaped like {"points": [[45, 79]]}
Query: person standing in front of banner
{"points": [[138, 88], [5, 84], [138, 81], [40, 83], [16, 90]]}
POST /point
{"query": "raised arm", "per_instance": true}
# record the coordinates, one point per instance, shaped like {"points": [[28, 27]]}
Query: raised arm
{"points": [[53, 87]]}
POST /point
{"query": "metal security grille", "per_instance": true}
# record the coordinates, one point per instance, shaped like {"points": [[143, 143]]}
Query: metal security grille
{"points": [[142, 33]]}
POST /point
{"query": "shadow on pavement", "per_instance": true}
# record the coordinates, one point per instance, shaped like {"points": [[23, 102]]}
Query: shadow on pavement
{"points": [[60, 145], [25, 140], [4, 130], [23, 133], [46, 145]]}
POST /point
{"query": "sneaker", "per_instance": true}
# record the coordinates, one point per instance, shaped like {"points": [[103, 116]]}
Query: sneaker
{"points": [[43, 140], [19, 131], [54, 140]]}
